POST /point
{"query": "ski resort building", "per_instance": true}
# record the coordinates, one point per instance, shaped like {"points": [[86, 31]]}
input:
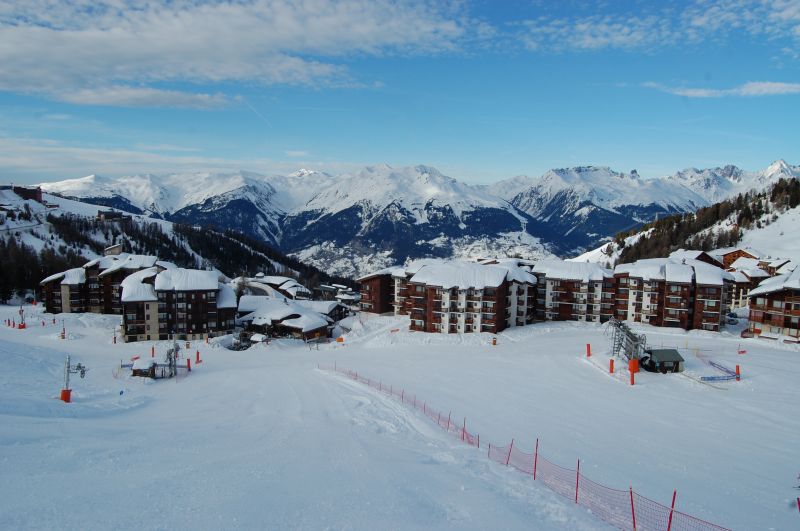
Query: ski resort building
{"points": [[176, 303], [775, 308], [454, 296], [97, 288], [573, 291], [673, 292], [278, 286]]}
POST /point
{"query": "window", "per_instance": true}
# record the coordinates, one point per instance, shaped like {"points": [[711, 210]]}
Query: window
{"points": [[147, 307]]}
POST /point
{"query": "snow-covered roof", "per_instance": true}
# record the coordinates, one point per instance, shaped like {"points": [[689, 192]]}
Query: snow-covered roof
{"points": [[180, 279], [166, 265], [414, 266], [286, 313], [104, 262], [786, 268], [680, 254], [132, 261], [324, 307], [135, 289], [727, 250], [708, 275], [678, 273], [744, 262], [461, 275], [71, 277], [648, 269], [400, 270], [755, 272], [739, 277], [249, 303], [143, 364], [226, 297], [582, 271], [779, 283], [258, 338], [676, 269]]}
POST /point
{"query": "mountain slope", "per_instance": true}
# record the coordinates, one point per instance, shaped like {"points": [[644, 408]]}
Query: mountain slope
{"points": [[348, 224]]}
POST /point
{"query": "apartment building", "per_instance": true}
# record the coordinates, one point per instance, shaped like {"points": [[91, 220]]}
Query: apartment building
{"points": [[573, 291], [454, 297], [688, 294], [775, 308], [177, 303]]}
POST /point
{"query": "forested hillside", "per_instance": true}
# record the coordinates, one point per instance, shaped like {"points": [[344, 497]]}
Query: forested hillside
{"points": [[719, 225]]}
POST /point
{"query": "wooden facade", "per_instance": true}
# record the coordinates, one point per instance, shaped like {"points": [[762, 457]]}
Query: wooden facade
{"points": [[377, 294]]}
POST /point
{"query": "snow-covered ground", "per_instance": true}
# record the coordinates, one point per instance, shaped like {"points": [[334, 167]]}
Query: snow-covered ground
{"points": [[262, 439]]}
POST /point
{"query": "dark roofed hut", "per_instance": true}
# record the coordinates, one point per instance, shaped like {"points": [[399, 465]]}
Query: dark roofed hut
{"points": [[663, 360]]}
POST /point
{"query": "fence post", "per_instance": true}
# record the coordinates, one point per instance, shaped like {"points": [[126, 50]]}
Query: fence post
{"points": [[577, 480], [535, 458], [403, 396], [489, 452], [424, 408], [479, 445], [510, 448], [464, 429], [672, 508], [633, 511], [448, 420]]}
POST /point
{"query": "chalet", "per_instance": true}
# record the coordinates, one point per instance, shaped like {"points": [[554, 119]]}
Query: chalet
{"points": [[284, 318], [335, 311], [691, 254], [176, 304], [277, 286], [775, 308], [728, 255], [574, 291]]}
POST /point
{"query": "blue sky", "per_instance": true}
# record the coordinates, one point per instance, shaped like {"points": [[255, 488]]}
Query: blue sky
{"points": [[481, 90]]}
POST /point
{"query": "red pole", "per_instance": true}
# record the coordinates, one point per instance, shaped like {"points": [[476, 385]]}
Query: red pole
{"points": [[611, 365], [738, 374], [510, 448], [633, 511], [631, 377], [197, 358], [188, 364], [577, 480], [153, 351], [588, 350], [535, 458], [669, 523]]}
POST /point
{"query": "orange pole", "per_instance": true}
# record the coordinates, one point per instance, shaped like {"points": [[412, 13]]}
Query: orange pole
{"points": [[611, 365], [632, 373], [738, 374]]}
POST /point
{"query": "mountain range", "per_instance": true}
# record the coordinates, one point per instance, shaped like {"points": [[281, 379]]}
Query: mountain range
{"points": [[351, 223]]}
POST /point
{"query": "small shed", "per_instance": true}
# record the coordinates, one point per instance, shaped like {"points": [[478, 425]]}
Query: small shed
{"points": [[662, 360]]}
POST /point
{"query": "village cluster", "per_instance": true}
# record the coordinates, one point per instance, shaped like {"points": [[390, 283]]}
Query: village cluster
{"points": [[692, 290], [160, 301]]}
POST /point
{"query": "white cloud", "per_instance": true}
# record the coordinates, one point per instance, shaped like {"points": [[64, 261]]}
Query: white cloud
{"points": [[123, 96], [67, 49], [751, 88], [41, 159], [297, 153], [665, 25]]}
